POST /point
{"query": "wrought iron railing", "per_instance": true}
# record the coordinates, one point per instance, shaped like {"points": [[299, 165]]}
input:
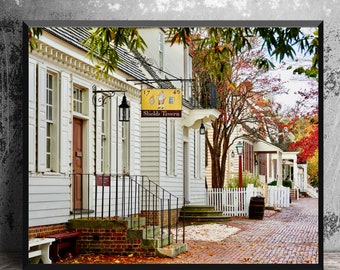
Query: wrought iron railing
{"points": [[116, 196]]}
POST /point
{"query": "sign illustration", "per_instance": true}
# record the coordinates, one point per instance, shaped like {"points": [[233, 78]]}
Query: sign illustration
{"points": [[162, 102]]}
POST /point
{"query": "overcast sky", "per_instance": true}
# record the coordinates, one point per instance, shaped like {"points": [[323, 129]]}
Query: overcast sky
{"points": [[293, 82]]}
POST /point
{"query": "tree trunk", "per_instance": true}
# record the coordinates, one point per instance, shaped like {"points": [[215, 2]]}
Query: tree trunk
{"points": [[217, 162]]}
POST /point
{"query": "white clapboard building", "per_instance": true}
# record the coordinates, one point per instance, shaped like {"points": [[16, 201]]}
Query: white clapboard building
{"points": [[79, 152]]}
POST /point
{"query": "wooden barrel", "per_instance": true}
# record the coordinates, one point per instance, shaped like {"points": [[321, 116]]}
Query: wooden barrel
{"points": [[256, 207]]}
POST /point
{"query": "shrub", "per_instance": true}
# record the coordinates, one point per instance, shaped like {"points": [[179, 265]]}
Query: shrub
{"points": [[285, 183], [247, 178]]}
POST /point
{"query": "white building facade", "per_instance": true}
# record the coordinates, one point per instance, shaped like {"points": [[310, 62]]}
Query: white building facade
{"points": [[69, 134]]}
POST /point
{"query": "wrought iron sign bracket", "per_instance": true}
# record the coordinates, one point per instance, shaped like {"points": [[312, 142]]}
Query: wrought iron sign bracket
{"points": [[142, 81], [100, 100]]}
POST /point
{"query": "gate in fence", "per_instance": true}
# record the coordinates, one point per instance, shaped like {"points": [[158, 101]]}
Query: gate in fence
{"points": [[278, 196]]}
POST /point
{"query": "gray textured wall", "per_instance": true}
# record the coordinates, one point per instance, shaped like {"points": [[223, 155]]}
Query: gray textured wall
{"points": [[13, 168]]}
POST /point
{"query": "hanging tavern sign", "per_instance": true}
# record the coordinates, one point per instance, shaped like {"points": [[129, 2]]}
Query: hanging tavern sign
{"points": [[162, 102]]}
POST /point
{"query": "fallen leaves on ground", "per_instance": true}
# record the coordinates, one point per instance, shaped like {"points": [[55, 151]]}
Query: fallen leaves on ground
{"points": [[109, 259], [213, 241]]}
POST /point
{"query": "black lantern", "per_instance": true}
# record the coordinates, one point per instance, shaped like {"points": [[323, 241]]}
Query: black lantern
{"points": [[202, 128], [239, 148], [124, 110]]}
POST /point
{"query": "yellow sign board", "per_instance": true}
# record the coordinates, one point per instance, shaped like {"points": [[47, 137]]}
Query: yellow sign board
{"points": [[162, 102]]}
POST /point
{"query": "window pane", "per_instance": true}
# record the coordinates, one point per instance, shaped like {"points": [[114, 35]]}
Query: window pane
{"points": [[77, 100], [51, 135], [50, 81], [48, 161], [48, 145], [48, 129], [50, 113]]}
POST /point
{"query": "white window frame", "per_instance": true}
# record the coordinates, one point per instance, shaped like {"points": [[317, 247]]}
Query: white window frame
{"points": [[83, 103], [52, 121], [78, 99], [84, 115]]}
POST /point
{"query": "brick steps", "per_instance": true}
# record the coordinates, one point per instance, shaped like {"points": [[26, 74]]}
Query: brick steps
{"points": [[151, 238], [172, 250], [201, 213]]}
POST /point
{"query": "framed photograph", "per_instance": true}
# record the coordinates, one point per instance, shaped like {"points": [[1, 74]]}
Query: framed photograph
{"points": [[174, 142]]}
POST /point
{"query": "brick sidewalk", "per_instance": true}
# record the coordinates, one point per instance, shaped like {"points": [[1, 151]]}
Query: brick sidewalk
{"points": [[287, 237], [290, 236]]}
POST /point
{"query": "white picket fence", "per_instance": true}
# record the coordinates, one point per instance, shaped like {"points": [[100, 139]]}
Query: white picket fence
{"points": [[235, 201], [278, 196]]}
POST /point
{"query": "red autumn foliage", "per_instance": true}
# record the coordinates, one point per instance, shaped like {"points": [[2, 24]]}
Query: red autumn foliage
{"points": [[306, 145]]}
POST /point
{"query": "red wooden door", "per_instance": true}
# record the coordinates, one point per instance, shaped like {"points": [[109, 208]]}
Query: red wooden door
{"points": [[77, 163]]}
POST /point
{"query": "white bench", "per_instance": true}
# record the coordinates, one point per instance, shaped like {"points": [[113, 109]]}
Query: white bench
{"points": [[39, 249]]}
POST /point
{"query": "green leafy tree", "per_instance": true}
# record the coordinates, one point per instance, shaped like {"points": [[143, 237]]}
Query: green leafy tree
{"points": [[103, 43], [33, 35], [278, 41]]}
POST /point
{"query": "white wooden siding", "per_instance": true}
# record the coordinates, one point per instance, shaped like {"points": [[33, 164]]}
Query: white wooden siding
{"points": [[150, 157], [46, 205], [135, 140], [92, 134], [49, 200], [114, 121], [50, 195], [167, 148], [154, 158], [197, 180], [172, 183], [208, 164], [65, 126], [98, 131]]}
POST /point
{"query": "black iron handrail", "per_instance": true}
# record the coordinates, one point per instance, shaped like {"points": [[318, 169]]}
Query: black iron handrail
{"points": [[135, 197]]}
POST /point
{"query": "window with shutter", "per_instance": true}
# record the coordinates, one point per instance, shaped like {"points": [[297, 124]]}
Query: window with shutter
{"points": [[51, 138]]}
